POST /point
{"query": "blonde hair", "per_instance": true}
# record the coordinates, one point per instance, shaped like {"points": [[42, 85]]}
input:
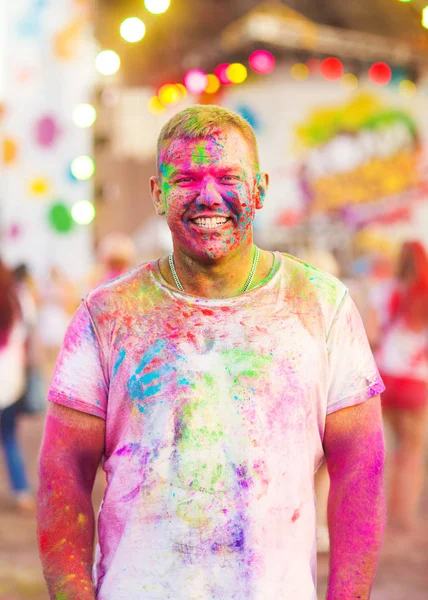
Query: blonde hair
{"points": [[201, 121]]}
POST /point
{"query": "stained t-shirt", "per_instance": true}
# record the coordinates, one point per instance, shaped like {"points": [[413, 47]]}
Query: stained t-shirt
{"points": [[215, 412]]}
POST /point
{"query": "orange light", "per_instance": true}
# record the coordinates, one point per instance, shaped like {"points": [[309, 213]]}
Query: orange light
{"points": [[213, 84]]}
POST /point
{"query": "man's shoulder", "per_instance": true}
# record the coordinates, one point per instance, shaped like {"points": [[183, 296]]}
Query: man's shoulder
{"points": [[108, 294], [307, 281]]}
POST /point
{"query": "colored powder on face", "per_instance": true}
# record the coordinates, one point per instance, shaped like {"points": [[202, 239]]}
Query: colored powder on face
{"points": [[200, 155]]}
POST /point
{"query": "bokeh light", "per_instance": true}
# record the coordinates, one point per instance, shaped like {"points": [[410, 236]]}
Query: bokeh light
{"points": [[182, 89], [82, 167], [299, 72], [262, 61], [407, 88], [331, 68], [221, 72], [380, 73], [157, 7], [84, 115], [155, 107], [349, 81], [132, 29], [195, 81], [213, 84], [236, 73], [169, 94], [83, 212], [425, 17], [107, 62]]}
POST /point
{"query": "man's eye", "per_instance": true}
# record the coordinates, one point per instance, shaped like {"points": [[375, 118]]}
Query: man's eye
{"points": [[184, 180], [229, 178]]}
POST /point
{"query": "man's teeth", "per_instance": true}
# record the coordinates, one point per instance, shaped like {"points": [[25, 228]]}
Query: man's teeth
{"points": [[210, 222]]}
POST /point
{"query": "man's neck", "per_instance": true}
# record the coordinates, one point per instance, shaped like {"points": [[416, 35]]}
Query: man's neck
{"points": [[220, 279]]}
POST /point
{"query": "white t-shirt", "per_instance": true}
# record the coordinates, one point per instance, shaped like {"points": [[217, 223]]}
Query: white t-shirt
{"points": [[215, 412]]}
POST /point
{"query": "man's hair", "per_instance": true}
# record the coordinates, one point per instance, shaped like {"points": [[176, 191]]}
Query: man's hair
{"points": [[200, 121]]}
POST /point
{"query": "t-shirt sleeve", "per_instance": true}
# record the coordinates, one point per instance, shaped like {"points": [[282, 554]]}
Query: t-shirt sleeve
{"points": [[79, 379], [353, 374]]}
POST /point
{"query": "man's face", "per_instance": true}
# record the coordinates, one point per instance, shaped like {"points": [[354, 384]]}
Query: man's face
{"points": [[209, 190]]}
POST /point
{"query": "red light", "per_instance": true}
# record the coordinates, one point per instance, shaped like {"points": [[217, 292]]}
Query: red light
{"points": [[331, 69], [220, 71], [380, 73], [262, 61]]}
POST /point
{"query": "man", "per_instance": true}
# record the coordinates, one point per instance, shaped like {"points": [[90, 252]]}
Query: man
{"points": [[212, 383]]}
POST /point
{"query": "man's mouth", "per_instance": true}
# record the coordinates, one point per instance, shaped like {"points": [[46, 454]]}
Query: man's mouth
{"points": [[210, 222]]}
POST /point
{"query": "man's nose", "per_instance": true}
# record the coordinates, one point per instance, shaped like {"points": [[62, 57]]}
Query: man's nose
{"points": [[209, 194]]}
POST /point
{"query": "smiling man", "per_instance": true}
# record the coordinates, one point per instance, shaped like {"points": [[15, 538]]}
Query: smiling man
{"points": [[212, 384]]}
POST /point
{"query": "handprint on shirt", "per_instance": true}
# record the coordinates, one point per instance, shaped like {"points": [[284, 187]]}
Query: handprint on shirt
{"points": [[149, 378]]}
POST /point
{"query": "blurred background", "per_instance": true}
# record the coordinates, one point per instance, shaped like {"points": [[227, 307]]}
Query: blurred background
{"points": [[337, 94]]}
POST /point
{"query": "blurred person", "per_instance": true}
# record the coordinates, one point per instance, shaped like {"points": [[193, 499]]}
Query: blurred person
{"points": [[211, 383], [57, 302], [116, 255], [12, 386], [398, 330]]}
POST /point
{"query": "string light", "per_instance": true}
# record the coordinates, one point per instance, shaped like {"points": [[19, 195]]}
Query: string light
{"points": [[155, 107], [331, 69], [236, 73], [349, 81], [107, 62], [157, 7], [262, 61], [84, 115], [221, 72], [299, 72], [195, 81], [182, 89], [169, 94], [83, 212], [82, 168], [213, 84], [380, 73], [132, 30], [407, 88], [425, 17]]}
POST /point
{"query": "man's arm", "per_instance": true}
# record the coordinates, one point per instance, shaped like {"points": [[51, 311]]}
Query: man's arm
{"points": [[355, 453], [72, 448]]}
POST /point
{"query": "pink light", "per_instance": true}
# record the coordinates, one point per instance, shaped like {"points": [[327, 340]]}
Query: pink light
{"points": [[195, 81], [262, 61], [220, 71]]}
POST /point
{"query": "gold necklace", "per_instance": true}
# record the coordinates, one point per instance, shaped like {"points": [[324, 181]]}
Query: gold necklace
{"points": [[247, 283]]}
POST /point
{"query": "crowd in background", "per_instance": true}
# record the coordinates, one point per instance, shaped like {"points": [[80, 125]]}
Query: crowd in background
{"points": [[392, 299]]}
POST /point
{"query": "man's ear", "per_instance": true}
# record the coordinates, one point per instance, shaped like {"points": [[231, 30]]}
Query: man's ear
{"points": [[157, 195], [262, 188]]}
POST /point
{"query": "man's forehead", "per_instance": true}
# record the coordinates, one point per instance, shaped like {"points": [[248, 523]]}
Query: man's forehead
{"points": [[209, 149]]}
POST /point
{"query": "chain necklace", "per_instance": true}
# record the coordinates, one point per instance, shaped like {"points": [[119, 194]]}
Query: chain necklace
{"points": [[247, 283]]}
